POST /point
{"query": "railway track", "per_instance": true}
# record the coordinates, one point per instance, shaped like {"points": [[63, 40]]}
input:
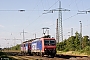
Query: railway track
{"points": [[46, 58], [18, 55]]}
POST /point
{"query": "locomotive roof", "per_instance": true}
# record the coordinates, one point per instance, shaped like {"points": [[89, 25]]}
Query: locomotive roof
{"points": [[45, 37], [30, 40], [36, 40]]}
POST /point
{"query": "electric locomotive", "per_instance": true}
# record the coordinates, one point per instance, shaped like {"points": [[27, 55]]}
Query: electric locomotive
{"points": [[44, 46], [40, 46]]}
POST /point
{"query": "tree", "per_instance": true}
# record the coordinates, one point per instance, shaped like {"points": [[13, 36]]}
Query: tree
{"points": [[85, 41], [73, 43], [77, 41]]}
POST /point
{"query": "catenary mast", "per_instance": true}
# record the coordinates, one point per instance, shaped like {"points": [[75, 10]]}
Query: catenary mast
{"points": [[59, 27]]}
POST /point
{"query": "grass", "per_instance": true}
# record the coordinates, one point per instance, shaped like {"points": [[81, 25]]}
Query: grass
{"points": [[72, 53]]}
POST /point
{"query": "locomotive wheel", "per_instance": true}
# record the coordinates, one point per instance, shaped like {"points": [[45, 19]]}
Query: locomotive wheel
{"points": [[41, 54], [52, 56], [30, 53], [37, 53], [33, 54]]}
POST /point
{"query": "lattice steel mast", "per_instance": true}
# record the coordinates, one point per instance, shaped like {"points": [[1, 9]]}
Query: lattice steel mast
{"points": [[23, 35], [59, 35], [60, 27], [60, 23]]}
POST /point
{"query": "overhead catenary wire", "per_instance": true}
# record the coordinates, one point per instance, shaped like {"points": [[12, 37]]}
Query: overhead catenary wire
{"points": [[42, 4], [26, 10], [50, 7], [64, 19], [72, 16], [33, 21], [39, 29], [82, 4], [21, 10], [40, 15], [76, 4], [68, 18], [71, 3]]}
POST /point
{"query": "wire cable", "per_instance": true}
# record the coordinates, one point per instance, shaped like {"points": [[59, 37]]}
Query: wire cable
{"points": [[40, 15]]}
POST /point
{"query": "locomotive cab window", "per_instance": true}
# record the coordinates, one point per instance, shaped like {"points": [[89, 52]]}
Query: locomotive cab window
{"points": [[46, 42], [52, 42], [49, 42]]}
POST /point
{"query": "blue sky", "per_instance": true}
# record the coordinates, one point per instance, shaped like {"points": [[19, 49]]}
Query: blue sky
{"points": [[32, 20]]}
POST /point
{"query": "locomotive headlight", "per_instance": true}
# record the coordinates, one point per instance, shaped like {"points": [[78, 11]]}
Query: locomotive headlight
{"points": [[45, 49], [54, 48]]}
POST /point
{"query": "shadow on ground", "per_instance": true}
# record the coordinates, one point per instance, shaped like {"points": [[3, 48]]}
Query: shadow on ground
{"points": [[4, 56], [68, 56]]}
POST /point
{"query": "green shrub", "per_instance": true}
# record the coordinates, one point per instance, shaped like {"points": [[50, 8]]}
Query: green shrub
{"points": [[81, 51], [87, 48], [65, 50]]}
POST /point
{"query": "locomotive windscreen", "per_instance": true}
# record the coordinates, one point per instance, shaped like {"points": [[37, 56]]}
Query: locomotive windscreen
{"points": [[52, 42], [49, 42]]}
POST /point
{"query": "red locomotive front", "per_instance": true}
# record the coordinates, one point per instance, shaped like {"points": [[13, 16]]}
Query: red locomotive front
{"points": [[49, 46]]}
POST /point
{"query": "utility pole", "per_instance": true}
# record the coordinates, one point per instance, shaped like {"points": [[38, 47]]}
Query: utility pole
{"points": [[60, 27], [69, 34], [23, 35], [80, 35], [34, 35], [13, 39], [71, 31]]}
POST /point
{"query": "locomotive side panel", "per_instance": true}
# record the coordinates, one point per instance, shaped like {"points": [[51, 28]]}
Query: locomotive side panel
{"points": [[36, 46], [26, 47], [39, 45], [22, 48], [29, 48]]}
